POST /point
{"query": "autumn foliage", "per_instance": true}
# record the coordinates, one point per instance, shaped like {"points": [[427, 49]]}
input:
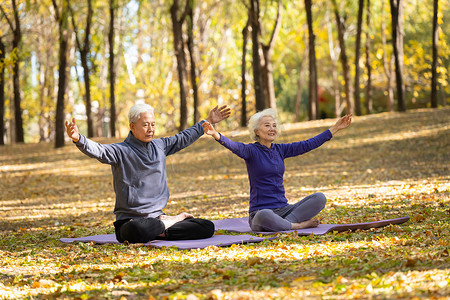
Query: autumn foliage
{"points": [[383, 166]]}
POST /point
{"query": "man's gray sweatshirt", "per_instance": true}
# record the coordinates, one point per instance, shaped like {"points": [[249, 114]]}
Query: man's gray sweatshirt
{"points": [[139, 170]]}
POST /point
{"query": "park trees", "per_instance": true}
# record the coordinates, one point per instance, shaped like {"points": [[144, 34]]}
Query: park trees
{"points": [[61, 14], [111, 66], [84, 48], [313, 99], [13, 19], [397, 43], [240, 53]]}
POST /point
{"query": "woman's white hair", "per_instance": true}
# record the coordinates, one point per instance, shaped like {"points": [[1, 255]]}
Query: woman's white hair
{"points": [[253, 123], [135, 111]]}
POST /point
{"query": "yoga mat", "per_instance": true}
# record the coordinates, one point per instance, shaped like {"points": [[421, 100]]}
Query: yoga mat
{"points": [[216, 240], [241, 225]]}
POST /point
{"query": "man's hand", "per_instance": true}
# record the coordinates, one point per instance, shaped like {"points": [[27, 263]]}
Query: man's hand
{"points": [[218, 114], [72, 130]]}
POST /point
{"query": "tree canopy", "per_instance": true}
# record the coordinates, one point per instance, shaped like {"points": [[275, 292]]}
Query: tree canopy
{"points": [[209, 59]]}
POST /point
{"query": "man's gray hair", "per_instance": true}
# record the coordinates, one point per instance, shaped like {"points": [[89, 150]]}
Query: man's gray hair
{"points": [[135, 111], [253, 123]]}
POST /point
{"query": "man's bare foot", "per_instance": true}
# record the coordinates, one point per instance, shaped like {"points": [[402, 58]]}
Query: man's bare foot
{"points": [[170, 220], [305, 224]]}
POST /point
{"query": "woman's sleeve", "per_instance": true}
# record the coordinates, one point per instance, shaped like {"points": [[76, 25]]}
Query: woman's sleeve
{"points": [[240, 149], [298, 148]]}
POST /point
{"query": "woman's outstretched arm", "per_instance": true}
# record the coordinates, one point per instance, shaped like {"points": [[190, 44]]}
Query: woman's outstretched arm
{"points": [[240, 149]]}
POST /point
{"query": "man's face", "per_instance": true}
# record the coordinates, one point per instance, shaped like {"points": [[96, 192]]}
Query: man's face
{"points": [[144, 128]]}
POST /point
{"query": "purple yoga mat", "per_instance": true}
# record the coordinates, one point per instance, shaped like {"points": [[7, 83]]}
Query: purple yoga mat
{"points": [[237, 225], [216, 240], [241, 225]]}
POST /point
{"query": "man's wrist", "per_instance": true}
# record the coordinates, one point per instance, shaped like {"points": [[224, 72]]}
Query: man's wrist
{"points": [[79, 137]]}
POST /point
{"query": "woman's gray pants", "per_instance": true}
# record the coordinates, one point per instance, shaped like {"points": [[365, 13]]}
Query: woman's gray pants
{"points": [[280, 219]]}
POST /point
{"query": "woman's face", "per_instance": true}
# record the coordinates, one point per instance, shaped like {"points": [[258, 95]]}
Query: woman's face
{"points": [[267, 130]]}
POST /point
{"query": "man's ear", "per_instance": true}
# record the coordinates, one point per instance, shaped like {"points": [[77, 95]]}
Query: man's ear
{"points": [[132, 126]]}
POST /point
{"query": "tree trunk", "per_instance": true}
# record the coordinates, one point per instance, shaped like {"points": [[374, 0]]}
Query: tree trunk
{"points": [[443, 97], [62, 20], [397, 41], [387, 65], [269, 89], [17, 38], [193, 68], [84, 50], [344, 60], [313, 103], [260, 101], [298, 96], [243, 76], [179, 47], [111, 71], [2, 92], [369, 103], [48, 84], [84, 61], [267, 66], [43, 67], [357, 89], [87, 85], [434, 98], [334, 57]]}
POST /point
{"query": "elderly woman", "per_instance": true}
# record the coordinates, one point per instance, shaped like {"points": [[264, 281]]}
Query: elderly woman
{"points": [[269, 209]]}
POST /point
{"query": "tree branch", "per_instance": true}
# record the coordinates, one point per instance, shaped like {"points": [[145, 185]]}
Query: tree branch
{"points": [[75, 29], [7, 19], [55, 6], [186, 11], [88, 24], [276, 28]]}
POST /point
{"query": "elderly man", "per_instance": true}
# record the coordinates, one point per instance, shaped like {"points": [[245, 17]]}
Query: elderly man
{"points": [[139, 173]]}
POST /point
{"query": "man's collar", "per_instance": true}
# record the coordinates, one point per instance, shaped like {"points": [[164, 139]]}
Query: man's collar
{"points": [[133, 140]]}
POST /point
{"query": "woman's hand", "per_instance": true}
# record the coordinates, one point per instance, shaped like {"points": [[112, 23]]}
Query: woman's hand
{"points": [[209, 130], [342, 123]]}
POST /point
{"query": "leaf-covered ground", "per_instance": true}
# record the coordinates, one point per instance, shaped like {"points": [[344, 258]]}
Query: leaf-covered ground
{"points": [[384, 166]]}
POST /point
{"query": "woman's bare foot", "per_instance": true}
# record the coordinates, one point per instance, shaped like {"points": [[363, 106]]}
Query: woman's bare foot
{"points": [[305, 224]]}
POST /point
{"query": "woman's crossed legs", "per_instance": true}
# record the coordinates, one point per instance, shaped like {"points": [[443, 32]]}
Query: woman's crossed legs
{"points": [[293, 216]]}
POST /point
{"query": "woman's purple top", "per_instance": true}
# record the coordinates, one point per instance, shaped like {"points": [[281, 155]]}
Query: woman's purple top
{"points": [[265, 167]]}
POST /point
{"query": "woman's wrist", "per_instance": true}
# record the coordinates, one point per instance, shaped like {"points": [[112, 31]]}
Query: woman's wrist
{"points": [[216, 136], [333, 130]]}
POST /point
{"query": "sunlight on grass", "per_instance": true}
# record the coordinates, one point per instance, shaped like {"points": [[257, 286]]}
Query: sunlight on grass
{"points": [[383, 166], [390, 137]]}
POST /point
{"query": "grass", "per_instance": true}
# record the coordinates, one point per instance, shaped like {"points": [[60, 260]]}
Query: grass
{"points": [[383, 166]]}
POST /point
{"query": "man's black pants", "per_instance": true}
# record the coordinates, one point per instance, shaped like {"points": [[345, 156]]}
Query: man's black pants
{"points": [[143, 230]]}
